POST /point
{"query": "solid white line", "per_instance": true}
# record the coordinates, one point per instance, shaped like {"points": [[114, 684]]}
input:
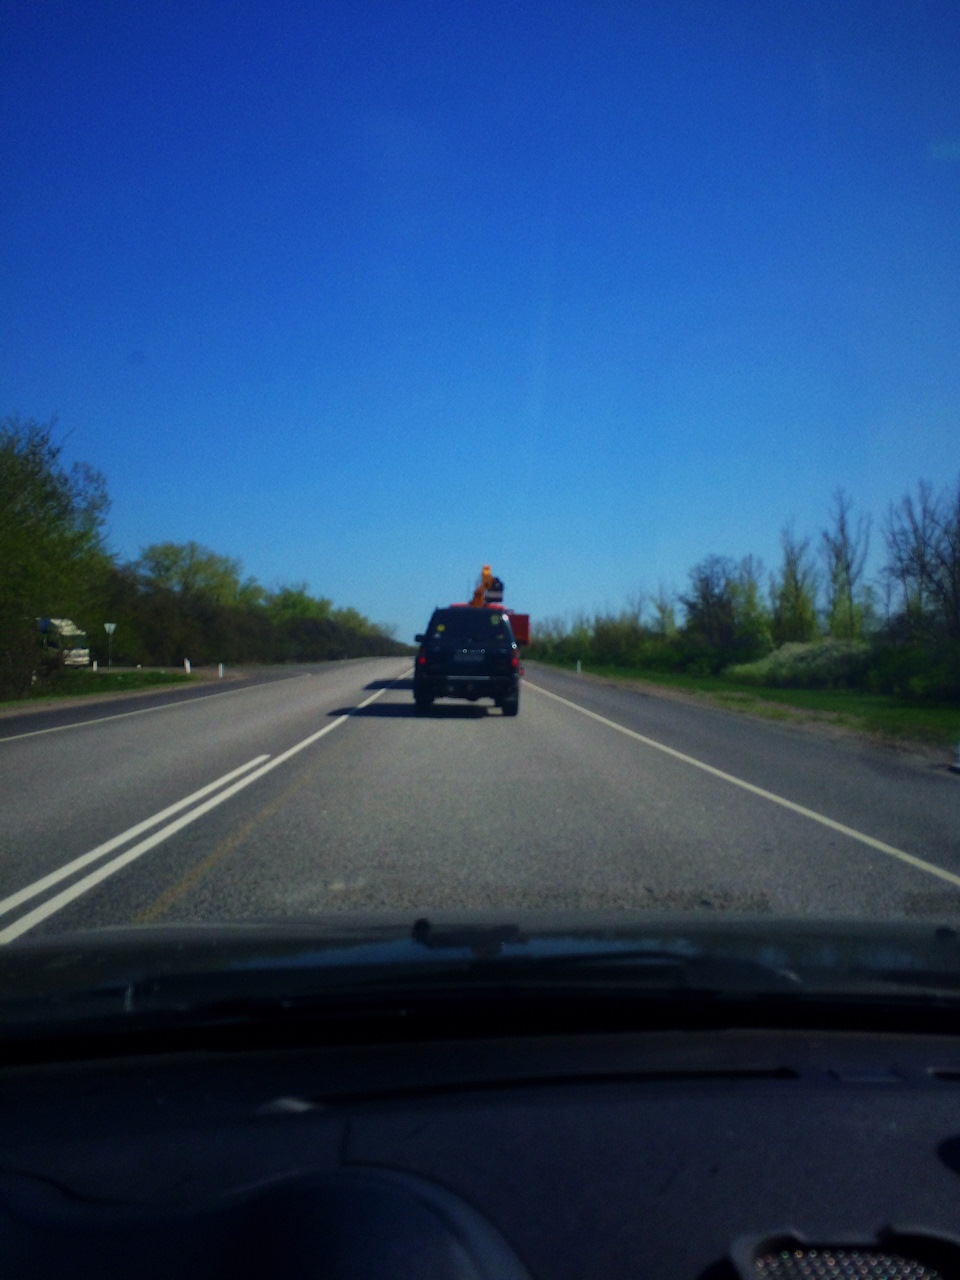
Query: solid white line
{"points": [[804, 812], [143, 711], [66, 896], [39, 886]]}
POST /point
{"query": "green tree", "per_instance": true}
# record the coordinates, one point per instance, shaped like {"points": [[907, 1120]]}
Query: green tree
{"points": [[923, 550], [665, 619], [191, 570], [296, 602], [53, 562], [726, 620], [794, 593], [711, 618], [751, 617], [352, 620], [845, 546], [617, 639]]}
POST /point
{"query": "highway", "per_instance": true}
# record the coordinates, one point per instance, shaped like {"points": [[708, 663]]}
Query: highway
{"points": [[317, 790]]}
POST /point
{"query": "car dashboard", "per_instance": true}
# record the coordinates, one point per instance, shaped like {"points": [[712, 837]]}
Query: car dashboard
{"points": [[706, 1152]]}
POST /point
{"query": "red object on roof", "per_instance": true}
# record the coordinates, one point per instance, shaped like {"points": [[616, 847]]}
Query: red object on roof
{"points": [[520, 624]]}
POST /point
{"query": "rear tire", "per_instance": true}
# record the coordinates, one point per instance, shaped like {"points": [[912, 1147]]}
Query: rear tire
{"points": [[423, 702], [511, 706]]}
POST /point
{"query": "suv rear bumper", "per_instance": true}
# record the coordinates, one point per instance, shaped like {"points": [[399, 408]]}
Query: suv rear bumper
{"points": [[471, 687]]}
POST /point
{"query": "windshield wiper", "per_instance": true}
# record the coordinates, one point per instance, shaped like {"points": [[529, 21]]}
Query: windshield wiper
{"points": [[595, 960], [482, 940]]}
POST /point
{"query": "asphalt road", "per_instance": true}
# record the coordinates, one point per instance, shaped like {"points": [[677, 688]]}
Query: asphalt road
{"points": [[318, 790]]}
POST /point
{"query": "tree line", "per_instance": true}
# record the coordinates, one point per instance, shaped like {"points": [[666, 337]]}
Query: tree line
{"points": [[898, 632], [175, 601]]}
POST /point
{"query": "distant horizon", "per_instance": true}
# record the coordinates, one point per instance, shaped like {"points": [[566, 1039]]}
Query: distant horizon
{"points": [[641, 602]]}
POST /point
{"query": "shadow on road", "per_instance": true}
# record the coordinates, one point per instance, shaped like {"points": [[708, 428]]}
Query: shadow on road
{"points": [[389, 684], [406, 710]]}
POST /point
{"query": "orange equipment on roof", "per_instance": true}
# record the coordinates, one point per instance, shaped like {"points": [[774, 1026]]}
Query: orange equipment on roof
{"points": [[489, 595]]}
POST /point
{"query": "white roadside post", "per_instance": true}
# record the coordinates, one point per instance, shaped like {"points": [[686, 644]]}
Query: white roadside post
{"points": [[109, 628]]}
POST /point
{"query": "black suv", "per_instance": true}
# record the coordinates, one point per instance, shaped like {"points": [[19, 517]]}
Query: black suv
{"points": [[470, 653]]}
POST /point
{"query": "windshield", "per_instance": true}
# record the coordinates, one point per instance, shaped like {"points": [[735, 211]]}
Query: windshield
{"points": [[482, 625], [637, 321]]}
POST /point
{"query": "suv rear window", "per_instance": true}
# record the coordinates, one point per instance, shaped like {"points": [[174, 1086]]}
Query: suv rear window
{"points": [[482, 625]]}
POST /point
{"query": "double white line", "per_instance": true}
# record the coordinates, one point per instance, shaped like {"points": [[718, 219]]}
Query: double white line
{"points": [[216, 793]]}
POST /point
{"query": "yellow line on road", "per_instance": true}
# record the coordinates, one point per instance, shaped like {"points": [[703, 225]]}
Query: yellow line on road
{"points": [[890, 850], [192, 877]]}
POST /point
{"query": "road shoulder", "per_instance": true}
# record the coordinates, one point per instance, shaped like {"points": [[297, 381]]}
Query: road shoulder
{"points": [[36, 706], [824, 723]]}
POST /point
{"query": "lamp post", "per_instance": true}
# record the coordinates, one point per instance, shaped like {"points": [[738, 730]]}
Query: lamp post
{"points": [[109, 628]]}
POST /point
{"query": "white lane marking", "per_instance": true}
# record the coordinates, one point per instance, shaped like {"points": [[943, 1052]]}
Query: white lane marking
{"points": [[66, 896], [804, 812], [123, 715], [38, 886]]}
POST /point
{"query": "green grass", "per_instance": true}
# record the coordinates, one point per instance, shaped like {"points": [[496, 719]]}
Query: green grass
{"points": [[883, 715], [71, 684]]}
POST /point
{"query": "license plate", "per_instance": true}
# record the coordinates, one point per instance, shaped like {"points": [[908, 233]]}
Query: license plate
{"points": [[467, 655]]}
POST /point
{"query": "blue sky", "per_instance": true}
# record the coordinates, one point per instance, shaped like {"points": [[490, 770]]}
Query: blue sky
{"points": [[369, 294]]}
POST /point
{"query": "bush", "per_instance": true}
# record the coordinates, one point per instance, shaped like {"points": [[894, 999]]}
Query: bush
{"points": [[917, 670], [824, 664]]}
